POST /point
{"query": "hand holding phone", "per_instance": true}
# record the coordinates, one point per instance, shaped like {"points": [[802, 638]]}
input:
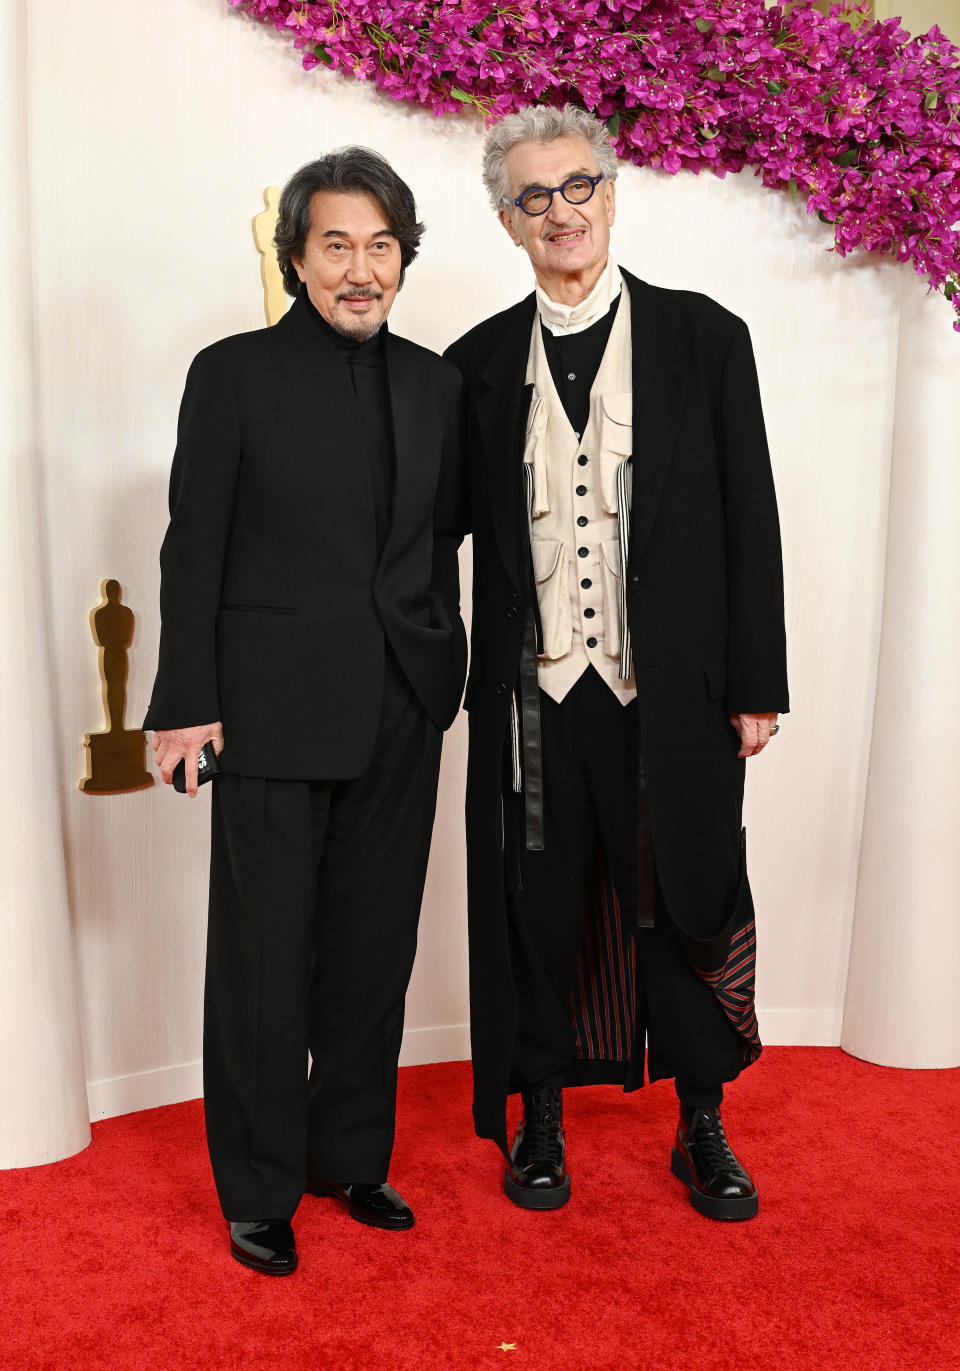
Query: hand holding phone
{"points": [[207, 767]]}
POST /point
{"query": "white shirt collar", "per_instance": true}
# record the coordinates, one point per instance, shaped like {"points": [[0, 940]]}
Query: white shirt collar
{"points": [[575, 318]]}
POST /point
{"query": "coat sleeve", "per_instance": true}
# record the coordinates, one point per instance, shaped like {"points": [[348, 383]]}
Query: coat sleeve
{"points": [[756, 640], [449, 514], [455, 356], [203, 482]]}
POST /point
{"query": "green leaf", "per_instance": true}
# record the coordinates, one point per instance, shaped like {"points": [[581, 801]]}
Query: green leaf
{"points": [[792, 187], [774, 87], [846, 159], [461, 95], [613, 124], [704, 25], [930, 100], [715, 74], [950, 289], [708, 132], [823, 218], [320, 52]]}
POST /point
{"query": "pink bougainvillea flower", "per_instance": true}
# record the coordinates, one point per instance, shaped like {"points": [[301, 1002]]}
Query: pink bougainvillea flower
{"points": [[860, 119]]}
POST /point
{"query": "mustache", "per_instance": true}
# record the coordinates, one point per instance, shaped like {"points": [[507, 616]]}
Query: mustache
{"points": [[361, 293], [567, 228]]}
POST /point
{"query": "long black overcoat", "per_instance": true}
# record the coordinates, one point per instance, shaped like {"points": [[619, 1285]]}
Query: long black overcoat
{"points": [[705, 609]]}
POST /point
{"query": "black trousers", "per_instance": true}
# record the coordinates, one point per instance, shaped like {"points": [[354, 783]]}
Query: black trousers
{"points": [[315, 891], [590, 748]]}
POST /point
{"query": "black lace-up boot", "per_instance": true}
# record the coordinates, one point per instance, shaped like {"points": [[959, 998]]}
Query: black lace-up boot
{"points": [[537, 1177], [703, 1159]]}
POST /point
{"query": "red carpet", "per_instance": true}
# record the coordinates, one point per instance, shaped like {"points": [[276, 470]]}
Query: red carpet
{"points": [[118, 1258]]}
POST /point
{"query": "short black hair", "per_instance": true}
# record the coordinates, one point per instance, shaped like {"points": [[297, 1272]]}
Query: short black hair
{"points": [[351, 170]]}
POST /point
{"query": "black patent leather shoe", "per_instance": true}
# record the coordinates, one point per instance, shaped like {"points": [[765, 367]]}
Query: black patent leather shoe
{"points": [[377, 1205], [703, 1159], [265, 1245], [537, 1176]]}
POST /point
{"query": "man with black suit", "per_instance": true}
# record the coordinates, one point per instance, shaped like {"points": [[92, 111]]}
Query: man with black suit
{"points": [[627, 656], [311, 632]]}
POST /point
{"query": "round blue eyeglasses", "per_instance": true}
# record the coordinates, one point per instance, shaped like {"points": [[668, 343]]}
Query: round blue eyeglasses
{"points": [[576, 190]]}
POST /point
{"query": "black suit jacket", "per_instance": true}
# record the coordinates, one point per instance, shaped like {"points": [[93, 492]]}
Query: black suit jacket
{"points": [[275, 606]]}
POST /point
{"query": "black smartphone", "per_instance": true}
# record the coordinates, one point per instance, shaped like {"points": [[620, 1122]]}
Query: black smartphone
{"points": [[207, 768]]}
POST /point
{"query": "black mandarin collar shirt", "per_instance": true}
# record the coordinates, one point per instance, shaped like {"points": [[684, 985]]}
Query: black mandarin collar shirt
{"points": [[354, 352], [366, 362]]}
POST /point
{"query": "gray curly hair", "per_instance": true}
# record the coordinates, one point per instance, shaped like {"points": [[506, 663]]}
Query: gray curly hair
{"points": [[541, 124]]}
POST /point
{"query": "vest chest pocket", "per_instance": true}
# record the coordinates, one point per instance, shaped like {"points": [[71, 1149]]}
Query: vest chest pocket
{"points": [[553, 594], [616, 422], [616, 442]]}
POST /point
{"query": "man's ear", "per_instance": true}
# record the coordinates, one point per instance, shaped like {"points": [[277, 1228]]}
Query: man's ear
{"points": [[506, 219], [298, 266]]}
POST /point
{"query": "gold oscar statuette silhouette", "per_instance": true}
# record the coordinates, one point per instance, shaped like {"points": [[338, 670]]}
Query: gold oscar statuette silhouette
{"points": [[116, 758], [264, 227]]}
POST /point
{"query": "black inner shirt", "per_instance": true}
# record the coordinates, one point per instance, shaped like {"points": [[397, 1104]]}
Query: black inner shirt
{"points": [[574, 360], [367, 365]]}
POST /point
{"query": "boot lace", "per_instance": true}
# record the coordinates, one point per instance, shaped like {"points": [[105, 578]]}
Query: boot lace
{"points": [[709, 1137], [542, 1119]]}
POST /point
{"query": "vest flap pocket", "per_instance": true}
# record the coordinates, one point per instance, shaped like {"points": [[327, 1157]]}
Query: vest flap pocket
{"points": [[617, 422], [610, 567], [611, 557], [716, 674], [616, 443], [536, 416], [546, 554], [535, 454], [553, 594]]}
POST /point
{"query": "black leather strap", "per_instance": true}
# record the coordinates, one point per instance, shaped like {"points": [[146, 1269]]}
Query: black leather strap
{"points": [[530, 735]]}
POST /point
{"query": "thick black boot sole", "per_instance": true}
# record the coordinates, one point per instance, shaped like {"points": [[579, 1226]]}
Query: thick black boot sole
{"points": [[732, 1210], [527, 1198]]}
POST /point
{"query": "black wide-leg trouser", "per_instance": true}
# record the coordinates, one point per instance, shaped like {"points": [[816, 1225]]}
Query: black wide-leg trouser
{"points": [[315, 892], [590, 747]]}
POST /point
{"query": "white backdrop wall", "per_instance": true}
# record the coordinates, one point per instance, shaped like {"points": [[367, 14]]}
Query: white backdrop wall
{"points": [[152, 132], [43, 1106]]}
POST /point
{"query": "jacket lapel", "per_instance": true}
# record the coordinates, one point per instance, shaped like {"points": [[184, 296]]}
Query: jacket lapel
{"points": [[417, 443], [502, 409], [658, 390]]}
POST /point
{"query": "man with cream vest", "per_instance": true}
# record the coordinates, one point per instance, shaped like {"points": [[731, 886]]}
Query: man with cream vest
{"points": [[628, 655]]}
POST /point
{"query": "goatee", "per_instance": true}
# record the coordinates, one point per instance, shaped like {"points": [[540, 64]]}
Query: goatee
{"points": [[365, 328]]}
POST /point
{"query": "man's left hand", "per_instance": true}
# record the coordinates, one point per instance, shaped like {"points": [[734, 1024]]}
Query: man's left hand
{"points": [[754, 730]]}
